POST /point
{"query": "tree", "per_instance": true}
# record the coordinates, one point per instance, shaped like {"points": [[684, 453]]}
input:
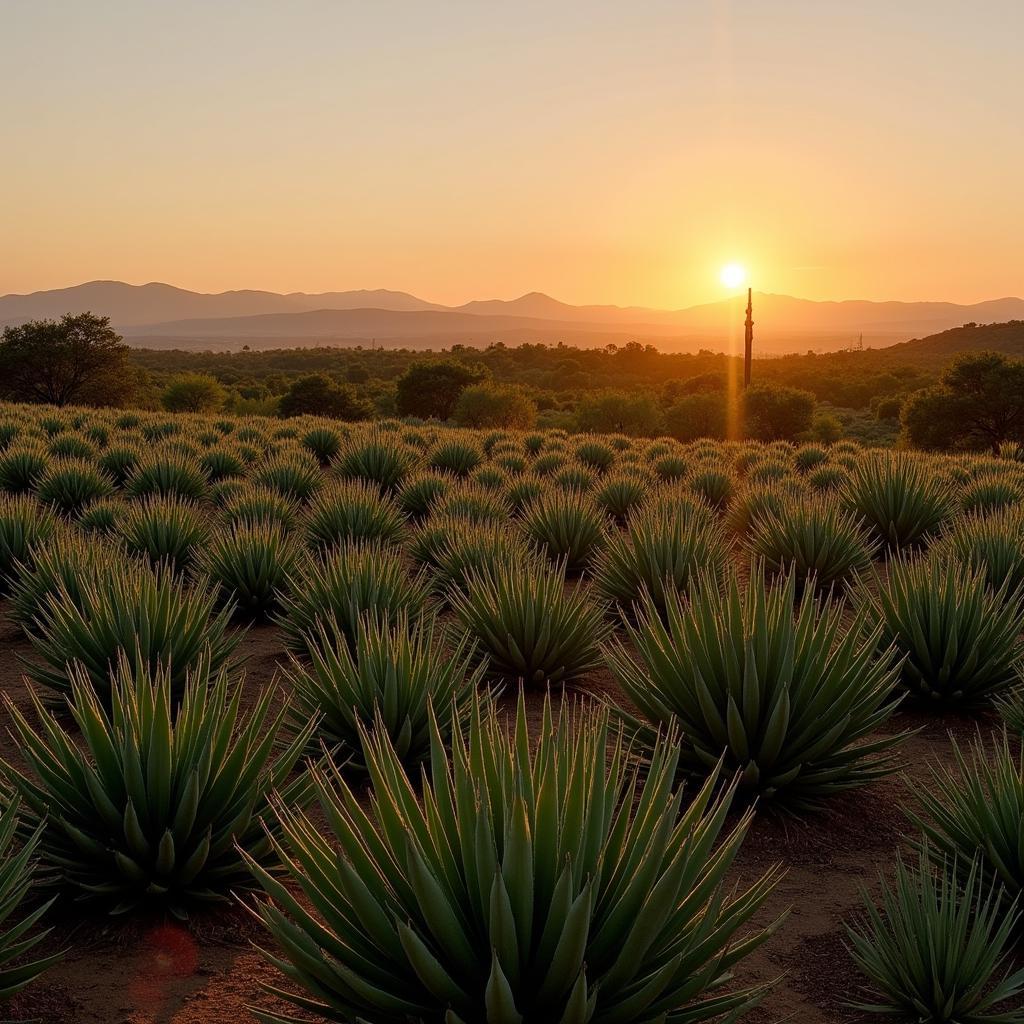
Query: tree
{"points": [[318, 395], [78, 358], [826, 428], [193, 392], [977, 404], [776, 412], [619, 412], [697, 415], [429, 388], [495, 405]]}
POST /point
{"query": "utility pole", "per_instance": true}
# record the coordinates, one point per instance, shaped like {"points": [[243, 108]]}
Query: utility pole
{"points": [[748, 338]]}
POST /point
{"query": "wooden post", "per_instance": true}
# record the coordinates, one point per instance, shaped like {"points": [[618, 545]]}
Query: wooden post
{"points": [[748, 338]]}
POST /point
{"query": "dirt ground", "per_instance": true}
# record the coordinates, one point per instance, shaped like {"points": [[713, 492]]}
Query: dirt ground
{"points": [[157, 972]]}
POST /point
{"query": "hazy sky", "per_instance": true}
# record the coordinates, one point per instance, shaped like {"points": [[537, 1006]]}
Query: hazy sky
{"points": [[601, 152]]}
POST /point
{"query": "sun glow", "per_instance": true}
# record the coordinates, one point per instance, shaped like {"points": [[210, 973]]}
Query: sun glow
{"points": [[733, 275]]}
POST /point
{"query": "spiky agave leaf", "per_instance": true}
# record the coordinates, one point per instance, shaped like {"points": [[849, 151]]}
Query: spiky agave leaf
{"points": [[538, 879], [336, 587], [781, 690], [814, 537], [901, 500], [530, 626], [937, 947], [974, 808], [961, 640], [147, 810], [21, 466], [388, 679], [149, 616]]}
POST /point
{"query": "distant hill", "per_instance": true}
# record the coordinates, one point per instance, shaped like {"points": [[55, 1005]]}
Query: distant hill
{"points": [[972, 337], [162, 315]]}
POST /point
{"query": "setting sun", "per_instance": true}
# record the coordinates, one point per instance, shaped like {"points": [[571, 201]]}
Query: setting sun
{"points": [[732, 275]]}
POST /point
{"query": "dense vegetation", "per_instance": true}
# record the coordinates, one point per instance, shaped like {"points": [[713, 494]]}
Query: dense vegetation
{"points": [[502, 839]]}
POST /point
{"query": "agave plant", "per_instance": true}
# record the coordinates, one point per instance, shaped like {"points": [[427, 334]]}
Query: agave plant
{"points": [[459, 458], [595, 455], [69, 485], [353, 510], [961, 640], [973, 809], [295, 475], [21, 467], [222, 464], [529, 625], [419, 493], [473, 503], [324, 444], [258, 504], [814, 537], [377, 459], [101, 517], [534, 881], [938, 949], [168, 474], [164, 530], [713, 486], [469, 548], [71, 446], [993, 544], [149, 616], [251, 563], [900, 499], [24, 528], [991, 494], [521, 492], [390, 679], [782, 690], [567, 526], [338, 586], [658, 553], [620, 495], [147, 811]]}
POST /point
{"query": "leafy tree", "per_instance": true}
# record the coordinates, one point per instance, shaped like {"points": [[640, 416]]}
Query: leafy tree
{"points": [[318, 395], [697, 415], [774, 412], [977, 404], [887, 407], [826, 428], [78, 358], [618, 412], [495, 405], [429, 388], [193, 392]]}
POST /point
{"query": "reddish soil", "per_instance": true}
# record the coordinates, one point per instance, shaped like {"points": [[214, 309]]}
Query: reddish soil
{"points": [[155, 972]]}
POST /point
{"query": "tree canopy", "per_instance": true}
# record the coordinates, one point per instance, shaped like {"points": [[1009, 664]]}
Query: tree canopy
{"points": [[193, 392], [429, 388], [318, 395]]}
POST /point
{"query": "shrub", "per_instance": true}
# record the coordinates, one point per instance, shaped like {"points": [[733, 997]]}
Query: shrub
{"points": [[990, 494], [392, 678], [317, 395], [936, 950], [101, 517], [529, 625], [899, 498], [474, 504], [520, 493], [457, 550], [495, 405], [148, 616], [168, 474], [567, 525], [814, 538], [335, 588], [151, 809], [164, 530], [353, 510], [809, 457], [783, 691], [961, 640], [222, 464], [392, 930], [69, 485], [658, 553], [193, 392], [250, 562]]}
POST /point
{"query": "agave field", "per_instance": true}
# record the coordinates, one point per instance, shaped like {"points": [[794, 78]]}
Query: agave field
{"points": [[401, 724]]}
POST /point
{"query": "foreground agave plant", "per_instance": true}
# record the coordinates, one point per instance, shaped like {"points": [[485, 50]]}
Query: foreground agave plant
{"points": [[539, 879], [148, 809], [782, 690], [938, 950], [961, 639], [389, 680], [529, 625]]}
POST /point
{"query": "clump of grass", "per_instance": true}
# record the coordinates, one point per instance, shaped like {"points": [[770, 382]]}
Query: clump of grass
{"points": [[353, 510], [567, 526]]}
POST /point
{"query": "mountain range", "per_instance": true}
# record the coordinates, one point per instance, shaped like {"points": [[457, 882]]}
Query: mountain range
{"points": [[160, 315]]}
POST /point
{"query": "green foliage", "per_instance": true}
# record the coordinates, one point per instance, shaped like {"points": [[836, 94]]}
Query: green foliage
{"points": [[991, 494], [317, 395], [993, 544], [961, 640], [595, 455], [812, 537], [782, 691], [24, 526], [495, 405], [261, 504], [529, 625], [119, 462], [69, 485], [193, 392], [456, 457], [694, 416], [148, 616], [336, 587], [567, 525], [474, 504], [21, 467], [168, 474], [323, 443], [776, 411], [164, 530], [222, 464], [937, 950], [146, 805], [713, 486], [390, 679], [353, 510], [430, 388], [294, 475], [419, 493], [618, 412], [510, 891], [900, 500], [620, 495], [377, 459]]}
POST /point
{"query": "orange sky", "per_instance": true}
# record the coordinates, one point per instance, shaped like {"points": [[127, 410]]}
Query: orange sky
{"points": [[598, 151]]}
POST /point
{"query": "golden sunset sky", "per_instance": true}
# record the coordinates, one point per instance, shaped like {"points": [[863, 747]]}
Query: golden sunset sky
{"points": [[600, 152]]}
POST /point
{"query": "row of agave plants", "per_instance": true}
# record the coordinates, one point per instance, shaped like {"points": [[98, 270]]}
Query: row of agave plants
{"points": [[763, 610]]}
